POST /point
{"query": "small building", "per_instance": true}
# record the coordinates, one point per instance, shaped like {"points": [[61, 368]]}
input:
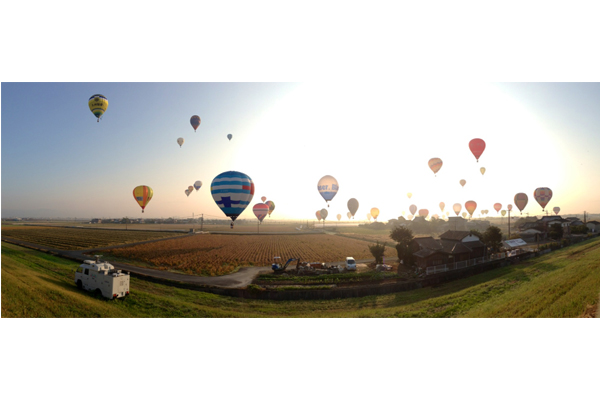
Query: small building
{"points": [[96, 221], [593, 226], [452, 246]]}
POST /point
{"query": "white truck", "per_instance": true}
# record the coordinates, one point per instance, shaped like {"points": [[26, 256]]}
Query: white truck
{"points": [[102, 278]]}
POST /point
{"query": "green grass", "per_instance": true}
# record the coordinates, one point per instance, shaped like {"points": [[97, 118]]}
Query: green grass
{"points": [[561, 284]]}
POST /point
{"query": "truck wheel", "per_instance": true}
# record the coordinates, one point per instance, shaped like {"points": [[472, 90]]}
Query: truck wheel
{"points": [[98, 293], [80, 284]]}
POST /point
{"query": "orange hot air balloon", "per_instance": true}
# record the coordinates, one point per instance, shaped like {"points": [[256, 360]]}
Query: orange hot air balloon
{"points": [[423, 212], [318, 214], [412, 209], [542, 195], [521, 201], [435, 164], [375, 213], [442, 205], [497, 207], [463, 182], [457, 207], [471, 206], [477, 147]]}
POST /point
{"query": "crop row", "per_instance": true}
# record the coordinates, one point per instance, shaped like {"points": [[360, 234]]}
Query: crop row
{"points": [[75, 239], [220, 254]]}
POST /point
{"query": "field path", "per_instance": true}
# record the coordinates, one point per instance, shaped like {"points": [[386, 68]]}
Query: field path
{"points": [[240, 279]]}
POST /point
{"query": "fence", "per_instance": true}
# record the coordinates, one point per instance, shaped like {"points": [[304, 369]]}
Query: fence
{"points": [[457, 265]]}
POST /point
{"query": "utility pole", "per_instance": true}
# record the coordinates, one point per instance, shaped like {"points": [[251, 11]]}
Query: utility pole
{"points": [[201, 222], [508, 224]]}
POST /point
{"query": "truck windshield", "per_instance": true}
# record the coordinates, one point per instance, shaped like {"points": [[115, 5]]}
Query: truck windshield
{"points": [[350, 261]]}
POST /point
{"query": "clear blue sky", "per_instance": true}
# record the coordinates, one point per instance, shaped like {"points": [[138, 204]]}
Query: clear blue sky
{"points": [[57, 161]]}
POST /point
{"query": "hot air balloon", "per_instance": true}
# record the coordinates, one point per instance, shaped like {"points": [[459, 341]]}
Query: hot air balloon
{"points": [[263, 199], [271, 207], [375, 213], [260, 210], [509, 207], [187, 192], [477, 147], [409, 195], [328, 187], [318, 214], [423, 212], [324, 214], [435, 164], [542, 195], [197, 185], [232, 191], [464, 214], [339, 216], [229, 136], [409, 217], [195, 121], [497, 207], [353, 206], [143, 195], [98, 105], [457, 207], [482, 169], [448, 213], [180, 141], [556, 210], [191, 189], [442, 205], [349, 214], [521, 201], [471, 206], [369, 216], [412, 209], [503, 212], [462, 182]]}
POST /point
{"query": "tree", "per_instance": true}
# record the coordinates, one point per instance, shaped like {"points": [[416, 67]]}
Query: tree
{"points": [[378, 250], [403, 236], [579, 229], [492, 238], [556, 231]]}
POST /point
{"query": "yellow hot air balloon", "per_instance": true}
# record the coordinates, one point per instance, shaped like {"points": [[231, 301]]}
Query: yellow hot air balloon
{"points": [[503, 212], [375, 213], [98, 105], [482, 169], [409, 195], [143, 195]]}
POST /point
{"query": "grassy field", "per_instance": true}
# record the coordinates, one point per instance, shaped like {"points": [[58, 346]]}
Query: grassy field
{"points": [[564, 283]]}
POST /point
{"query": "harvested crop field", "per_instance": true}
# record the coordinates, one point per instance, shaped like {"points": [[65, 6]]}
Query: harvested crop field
{"points": [[79, 238], [222, 254]]}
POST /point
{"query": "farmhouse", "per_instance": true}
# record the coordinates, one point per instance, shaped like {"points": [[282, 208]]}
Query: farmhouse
{"points": [[452, 246]]}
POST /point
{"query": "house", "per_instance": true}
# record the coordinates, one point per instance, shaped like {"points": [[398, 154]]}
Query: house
{"points": [[452, 246], [457, 223], [593, 226], [533, 235], [96, 221]]}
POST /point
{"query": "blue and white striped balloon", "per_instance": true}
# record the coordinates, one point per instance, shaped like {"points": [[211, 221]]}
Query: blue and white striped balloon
{"points": [[232, 191]]}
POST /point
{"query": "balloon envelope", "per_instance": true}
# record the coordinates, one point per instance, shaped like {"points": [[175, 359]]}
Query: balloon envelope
{"points": [[191, 189], [197, 185], [423, 212], [187, 192], [180, 141], [477, 147], [542, 195], [462, 182], [457, 207], [509, 207], [471, 206], [409, 195], [143, 195], [349, 215], [195, 121], [464, 214], [318, 214], [497, 207], [324, 213], [442, 205], [412, 209], [339, 216], [271, 206], [503, 212], [435, 164], [232, 191], [521, 201], [328, 187], [229, 136], [263, 199], [353, 206], [260, 210], [374, 212], [556, 210], [482, 169], [369, 216], [98, 105]]}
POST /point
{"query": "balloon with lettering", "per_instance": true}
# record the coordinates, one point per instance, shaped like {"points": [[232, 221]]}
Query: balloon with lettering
{"points": [[435, 164], [260, 210], [556, 210], [463, 182], [412, 209], [482, 169], [471, 206], [542, 195], [375, 213], [98, 105], [328, 188], [197, 185], [324, 213], [353, 206], [497, 207], [442, 205], [143, 195], [477, 147], [521, 201], [180, 141], [232, 191], [271, 207], [457, 207], [195, 121]]}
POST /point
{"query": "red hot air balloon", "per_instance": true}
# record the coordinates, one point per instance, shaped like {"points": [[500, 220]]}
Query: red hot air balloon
{"points": [[477, 147], [542, 195], [521, 201], [471, 206], [423, 212], [435, 164], [497, 207], [260, 210]]}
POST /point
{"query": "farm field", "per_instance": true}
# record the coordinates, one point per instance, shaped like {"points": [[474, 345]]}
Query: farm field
{"points": [[564, 283], [216, 254], [77, 239]]}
